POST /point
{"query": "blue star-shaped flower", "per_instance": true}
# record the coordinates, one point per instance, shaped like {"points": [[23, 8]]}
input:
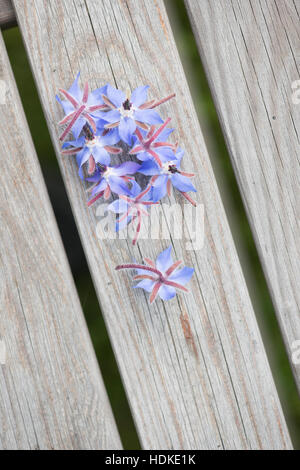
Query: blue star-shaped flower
{"points": [[161, 278], [167, 175]]}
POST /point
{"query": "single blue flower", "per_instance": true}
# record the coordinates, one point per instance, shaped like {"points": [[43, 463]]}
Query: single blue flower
{"points": [[153, 145], [93, 149], [132, 208], [161, 278], [112, 179], [169, 174], [126, 113], [80, 107]]}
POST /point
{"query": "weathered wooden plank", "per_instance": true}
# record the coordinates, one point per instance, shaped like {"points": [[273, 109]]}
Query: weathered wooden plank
{"points": [[52, 395], [7, 14], [216, 392], [251, 53]]}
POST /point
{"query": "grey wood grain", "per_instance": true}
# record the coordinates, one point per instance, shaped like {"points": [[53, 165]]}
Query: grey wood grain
{"points": [[52, 394], [7, 14], [214, 390], [251, 52]]}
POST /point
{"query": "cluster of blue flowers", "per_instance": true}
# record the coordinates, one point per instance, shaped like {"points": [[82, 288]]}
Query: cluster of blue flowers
{"points": [[100, 121]]}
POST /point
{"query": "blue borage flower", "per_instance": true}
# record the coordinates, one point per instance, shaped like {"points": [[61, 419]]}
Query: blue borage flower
{"points": [[132, 207], [153, 145], [98, 121], [129, 112], [80, 107], [93, 148], [167, 175], [112, 179], [161, 278]]}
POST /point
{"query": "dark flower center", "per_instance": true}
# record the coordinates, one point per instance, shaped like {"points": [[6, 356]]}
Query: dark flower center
{"points": [[173, 169], [127, 105]]}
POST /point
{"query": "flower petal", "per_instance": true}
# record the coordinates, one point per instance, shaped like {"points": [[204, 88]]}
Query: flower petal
{"points": [[148, 116], [145, 284], [159, 188], [110, 138], [75, 90], [182, 276], [166, 292], [77, 127], [164, 135], [149, 168], [164, 260], [111, 116], [127, 128], [135, 188], [84, 155], [139, 95], [179, 155], [74, 143], [97, 176], [118, 185], [182, 183], [117, 97], [100, 187], [123, 223], [118, 206], [126, 168], [165, 153], [95, 97], [101, 155], [66, 105]]}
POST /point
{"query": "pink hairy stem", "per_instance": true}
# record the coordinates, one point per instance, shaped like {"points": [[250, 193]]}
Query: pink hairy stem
{"points": [[159, 131], [91, 122], [142, 125], [69, 97], [139, 266], [123, 216], [169, 187], [92, 165], [148, 203], [189, 175], [114, 150], [147, 105], [96, 107], [108, 102], [154, 292], [139, 135], [172, 268], [157, 103], [143, 193], [153, 179], [155, 156], [174, 284], [71, 124], [189, 199], [107, 192], [71, 151], [144, 276], [91, 201], [85, 93], [162, 144], [150, 262], [112, 126], [138, 228], [151, 131], [136, 149], [66, 118]]}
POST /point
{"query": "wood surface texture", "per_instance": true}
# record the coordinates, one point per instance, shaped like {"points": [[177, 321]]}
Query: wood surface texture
{"points": [[52, 394], [194, 368], [7, 14], [251, 53]]}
